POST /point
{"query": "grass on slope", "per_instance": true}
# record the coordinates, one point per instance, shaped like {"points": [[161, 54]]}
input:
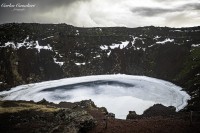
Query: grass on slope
{"points": [[13, 107]]}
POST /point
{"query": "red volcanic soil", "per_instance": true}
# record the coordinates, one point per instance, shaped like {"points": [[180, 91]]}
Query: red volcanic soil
{"points": [[157, 119], [147, 125]]}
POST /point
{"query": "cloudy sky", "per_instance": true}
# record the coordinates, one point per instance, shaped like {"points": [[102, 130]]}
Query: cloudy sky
{"points": [[89, 13]]}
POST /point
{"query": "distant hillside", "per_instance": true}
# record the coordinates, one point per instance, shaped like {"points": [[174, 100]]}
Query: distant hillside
{"points": [[37, 52]]}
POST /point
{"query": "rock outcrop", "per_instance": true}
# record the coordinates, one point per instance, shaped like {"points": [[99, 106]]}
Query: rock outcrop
{"points": [[131, 115], [32, 117], [157, 110]]}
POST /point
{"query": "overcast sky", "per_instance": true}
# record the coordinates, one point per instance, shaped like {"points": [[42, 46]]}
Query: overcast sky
{"points": [[89, 13]]}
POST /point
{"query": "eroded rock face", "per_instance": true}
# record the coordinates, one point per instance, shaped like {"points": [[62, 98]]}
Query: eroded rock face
{"points": [[38, 52], [159, 110], [110, 116], [154, 111], [32, 117], [78, 121], [131, 115], [86, 104]]}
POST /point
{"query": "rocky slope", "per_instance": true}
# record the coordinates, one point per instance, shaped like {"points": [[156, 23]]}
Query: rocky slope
{"points": [[84, 116], [38, 52], [32, 117]]}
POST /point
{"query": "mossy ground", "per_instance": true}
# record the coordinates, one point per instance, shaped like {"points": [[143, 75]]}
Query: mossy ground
{"points": [[15, 106]]}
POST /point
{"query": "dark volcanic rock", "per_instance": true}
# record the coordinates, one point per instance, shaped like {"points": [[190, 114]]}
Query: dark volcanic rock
{"points": [[38, 52], [159, 110], [86, 104], [131, 115], [110, 115], [26, 117], [154, 111]]}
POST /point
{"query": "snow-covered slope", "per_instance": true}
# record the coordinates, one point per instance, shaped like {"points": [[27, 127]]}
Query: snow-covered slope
{"points": [[118, 93]]}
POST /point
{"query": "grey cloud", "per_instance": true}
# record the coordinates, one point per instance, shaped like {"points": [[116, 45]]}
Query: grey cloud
{"points": [[147, 11], [191, 6], [30, 14], [84, 12], [180, 19], [165, 1], [45, 5]]}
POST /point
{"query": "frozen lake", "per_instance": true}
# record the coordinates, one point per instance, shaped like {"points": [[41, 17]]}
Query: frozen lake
{"points": [[118, 93]]}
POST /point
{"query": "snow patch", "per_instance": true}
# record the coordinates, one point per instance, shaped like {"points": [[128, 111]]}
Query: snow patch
{"points": [[38, 47], [108, 54], [78, 54], [60, 55], [165, 41], [195, 45], [98, 56], [121, 46], [58, 62], [178, 30], [77, 33], [144, 49], [79, 64], [104, 47], [9, 44], [27, 45], [135, 47], [156, 37], [134, 39], [114, 46], [48, 37]]}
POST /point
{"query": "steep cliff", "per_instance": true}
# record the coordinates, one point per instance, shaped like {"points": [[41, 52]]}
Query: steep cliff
{"points": [[39, 52]]}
